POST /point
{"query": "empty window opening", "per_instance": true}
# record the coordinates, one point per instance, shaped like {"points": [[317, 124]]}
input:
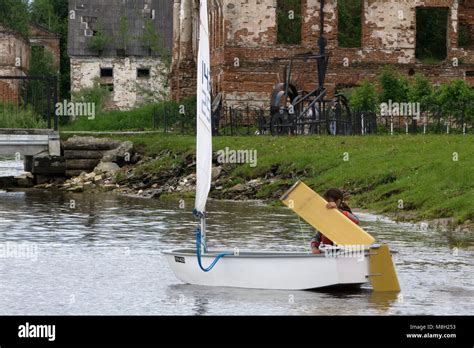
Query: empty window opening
{"points": [[106, 72], [108, 86], [431, 34], [466, 35], [143, 72], [349, 13], [289, 21]]}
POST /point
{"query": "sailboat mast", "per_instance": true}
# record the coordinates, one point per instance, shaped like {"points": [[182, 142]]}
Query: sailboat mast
{"points": [[203, 119]]}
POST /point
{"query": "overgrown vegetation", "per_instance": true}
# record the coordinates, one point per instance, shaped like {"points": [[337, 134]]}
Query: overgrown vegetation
{"points": [[364, 97], [289, 22], [349, 32], [96, 94], [123, 37], [464, 36], [42, 64], [176, 116], [13, 116], [14, 14], [381, 171], [54, 14], [431, 34], [457, 100], [454, 100], [100, 40]]}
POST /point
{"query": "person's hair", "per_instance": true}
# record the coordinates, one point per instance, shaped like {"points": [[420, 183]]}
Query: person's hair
{"points": [[334, 194]]}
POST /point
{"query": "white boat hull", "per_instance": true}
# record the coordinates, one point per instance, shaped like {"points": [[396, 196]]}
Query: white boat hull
{"points": [[270, 270]]}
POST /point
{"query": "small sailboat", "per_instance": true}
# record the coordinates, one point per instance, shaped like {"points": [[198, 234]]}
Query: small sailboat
{"points": [[355, 260]]}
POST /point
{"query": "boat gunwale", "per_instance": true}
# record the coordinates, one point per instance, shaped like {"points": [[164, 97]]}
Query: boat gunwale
{"points": [[254, 254]]}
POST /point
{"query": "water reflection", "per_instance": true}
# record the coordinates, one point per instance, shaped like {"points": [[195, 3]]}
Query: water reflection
{"points": [[105, 252]]}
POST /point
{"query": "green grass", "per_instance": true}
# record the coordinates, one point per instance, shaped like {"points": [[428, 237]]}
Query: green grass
{"points": [[381, 170], [159, 165], [17, 117], [140, 118]]}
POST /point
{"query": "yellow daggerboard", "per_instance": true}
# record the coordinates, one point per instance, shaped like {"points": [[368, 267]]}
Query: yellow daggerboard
{"points": [[330, 222], [383, 276]]}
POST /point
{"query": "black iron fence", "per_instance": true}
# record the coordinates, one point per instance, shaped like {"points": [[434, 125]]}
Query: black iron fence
{"points": [[245, 120], [28, 102]]}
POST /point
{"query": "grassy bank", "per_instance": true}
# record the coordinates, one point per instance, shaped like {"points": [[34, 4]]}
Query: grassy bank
{"points": [[432, 176], [168, 114]]}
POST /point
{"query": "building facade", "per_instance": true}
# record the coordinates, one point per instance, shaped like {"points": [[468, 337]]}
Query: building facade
{"points": [[14, 61], [245, 40], [40, 36], [121, 44]]}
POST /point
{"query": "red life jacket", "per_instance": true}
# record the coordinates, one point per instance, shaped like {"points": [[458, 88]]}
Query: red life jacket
{"points": [[320, 238]]}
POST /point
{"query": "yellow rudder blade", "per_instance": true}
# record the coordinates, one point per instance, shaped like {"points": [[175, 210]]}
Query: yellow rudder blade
{"points": [[330, 222], [383, 276]]}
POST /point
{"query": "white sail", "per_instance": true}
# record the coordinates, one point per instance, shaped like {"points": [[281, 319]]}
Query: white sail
{"points": [[203, 115]]}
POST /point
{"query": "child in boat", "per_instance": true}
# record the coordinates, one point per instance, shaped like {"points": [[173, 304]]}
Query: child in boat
{"points": [[335, 199]]}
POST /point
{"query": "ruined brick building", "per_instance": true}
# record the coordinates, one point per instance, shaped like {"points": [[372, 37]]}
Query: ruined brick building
{"points": [[15, 56], [245, 39], [14, 61], [110, 41], [40, 36]]}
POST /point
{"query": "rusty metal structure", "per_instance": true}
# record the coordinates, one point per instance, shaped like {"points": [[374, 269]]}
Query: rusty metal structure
{"points": [[297, 111]]}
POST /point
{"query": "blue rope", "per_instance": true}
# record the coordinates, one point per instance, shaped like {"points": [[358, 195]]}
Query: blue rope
{"points": [[200, 242]]}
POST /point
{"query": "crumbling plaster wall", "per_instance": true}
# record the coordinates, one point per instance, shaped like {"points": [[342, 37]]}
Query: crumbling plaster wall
{"points": [[245, 62], [128, 89], [250, 23]]}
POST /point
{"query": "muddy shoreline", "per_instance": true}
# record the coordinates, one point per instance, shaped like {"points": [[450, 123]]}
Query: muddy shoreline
{"points": [[129, 170]]}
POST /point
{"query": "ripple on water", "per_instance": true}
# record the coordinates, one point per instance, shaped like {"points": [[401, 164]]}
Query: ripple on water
{"points": [[105, 257]]}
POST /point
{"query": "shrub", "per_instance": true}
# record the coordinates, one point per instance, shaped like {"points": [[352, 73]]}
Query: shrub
{"points": [[96, 94], [100, 40], [149, 116], [394, 86], [456, 99], [364, 97], [12, 116]]}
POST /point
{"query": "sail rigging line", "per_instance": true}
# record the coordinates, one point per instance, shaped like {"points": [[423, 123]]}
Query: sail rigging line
{"points": [[307, 248], [302, 235], [199, 242]]}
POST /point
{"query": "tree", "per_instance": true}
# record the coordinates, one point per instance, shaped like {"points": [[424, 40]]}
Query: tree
{"points": [[42, 64], [54, 15], [151, 41], [364, 97], [457, 100], [420, 90], [123, 33], [100, 39], [42, 12], [14, 15], [394, 86]]}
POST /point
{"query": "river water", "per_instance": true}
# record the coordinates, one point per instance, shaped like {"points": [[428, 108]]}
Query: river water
{"points": [[102, 254]]}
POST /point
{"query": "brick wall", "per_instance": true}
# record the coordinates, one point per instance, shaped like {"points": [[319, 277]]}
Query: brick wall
{"points": [[40, 36], [243, 65], [14, 61]]}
